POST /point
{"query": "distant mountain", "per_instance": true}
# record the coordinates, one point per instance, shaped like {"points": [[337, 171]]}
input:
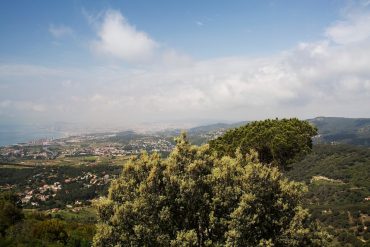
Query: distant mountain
{"points": [[215, 127], [124, 137], [355, 131]]}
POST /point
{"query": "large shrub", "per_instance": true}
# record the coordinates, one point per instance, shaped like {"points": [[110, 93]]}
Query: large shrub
{"points": [[194, 198]]}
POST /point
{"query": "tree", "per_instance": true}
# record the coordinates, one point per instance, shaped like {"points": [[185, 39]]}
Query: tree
{"points": [[194, 198], [10, 211], [277, 141], [52, 230]]}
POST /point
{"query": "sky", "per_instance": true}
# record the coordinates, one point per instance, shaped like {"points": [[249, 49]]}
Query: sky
{"points": [[125, 63]]}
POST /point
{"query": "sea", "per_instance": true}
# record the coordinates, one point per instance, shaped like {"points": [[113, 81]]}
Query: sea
{"points": [[14, 134]]}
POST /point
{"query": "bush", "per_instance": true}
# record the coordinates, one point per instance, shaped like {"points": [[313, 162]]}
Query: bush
{"points": [[193, 198]]}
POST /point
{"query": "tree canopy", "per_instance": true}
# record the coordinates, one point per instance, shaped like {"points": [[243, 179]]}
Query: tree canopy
{"points": [[194, 198], [10, 211], [276, 141]]}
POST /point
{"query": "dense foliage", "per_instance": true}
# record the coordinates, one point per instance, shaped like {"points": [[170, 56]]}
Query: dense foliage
{"points": [[338, 178], [28, 178], [354, 131], [10, 211], [48, 232], [194, 198], [276, 141], [19, 228]]}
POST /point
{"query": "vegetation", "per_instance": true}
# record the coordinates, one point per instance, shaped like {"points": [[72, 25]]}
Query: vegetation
{"points": [[76, 183], [10, 211], [39, 229], [276, 141], [354, 131], [33, 228], [337, 193], [212, 195], [193, 198]]}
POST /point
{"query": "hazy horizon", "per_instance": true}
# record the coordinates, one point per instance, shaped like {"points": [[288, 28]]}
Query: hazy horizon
{"points": [[121, 64], [11, 134]]}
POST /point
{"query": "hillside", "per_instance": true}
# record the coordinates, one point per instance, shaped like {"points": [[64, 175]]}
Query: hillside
{"points": [[338, 177], [215, 127], [355, 131]]}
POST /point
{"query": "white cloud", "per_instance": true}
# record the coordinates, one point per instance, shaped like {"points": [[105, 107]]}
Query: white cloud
{"points": [[60, 31], [5, 103], [355, 28], [317, 78], [31, 106], [119, 39], [173, 58], [22, 105], [96, 98]]}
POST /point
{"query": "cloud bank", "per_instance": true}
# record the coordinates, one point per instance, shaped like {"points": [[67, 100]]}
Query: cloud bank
{"points": [[328, 77]]}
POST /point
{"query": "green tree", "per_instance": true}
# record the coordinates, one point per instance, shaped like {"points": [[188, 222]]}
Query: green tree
{"points": [[52, 230], [276, 141], [10, 211], [194, 198]]}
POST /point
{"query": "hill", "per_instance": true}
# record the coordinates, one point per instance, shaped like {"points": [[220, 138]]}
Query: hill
{"points": [[338, 182], [355, 131], [215, 127]]}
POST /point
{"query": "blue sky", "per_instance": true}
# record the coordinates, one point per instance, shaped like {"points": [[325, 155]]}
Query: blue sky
{"points": [[122, 63], [203, 29]]}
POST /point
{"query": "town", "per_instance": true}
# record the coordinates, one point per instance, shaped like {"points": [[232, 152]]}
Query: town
{"points": [[86, 145], [69, 173]]}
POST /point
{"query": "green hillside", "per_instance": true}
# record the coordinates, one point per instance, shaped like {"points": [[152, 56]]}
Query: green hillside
{"points": [[339, 181], [354, 131]]}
